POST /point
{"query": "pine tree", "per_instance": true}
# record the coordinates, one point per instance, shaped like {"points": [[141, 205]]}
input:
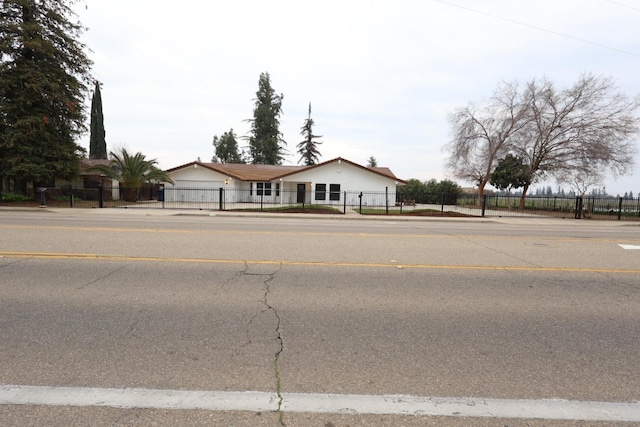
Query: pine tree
{"points": [[97, 142], [43, 75], [226, 148], [266, 145], [308, 148], [372, 162]]}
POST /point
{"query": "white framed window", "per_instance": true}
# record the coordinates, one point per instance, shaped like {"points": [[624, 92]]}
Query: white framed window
{"points": [[263, 188], [321, 191], [334, 192]]}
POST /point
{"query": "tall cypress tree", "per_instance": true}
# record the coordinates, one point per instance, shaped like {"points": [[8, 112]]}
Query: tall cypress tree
{"points": [[97, 142], [266, 145], [44, 72]]}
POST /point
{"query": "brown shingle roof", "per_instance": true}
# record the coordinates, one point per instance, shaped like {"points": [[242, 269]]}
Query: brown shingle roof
{"points": [[248, 172], [87, 164], [266, 173]]}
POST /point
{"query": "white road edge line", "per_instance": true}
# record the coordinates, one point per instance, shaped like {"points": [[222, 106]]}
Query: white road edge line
{"points": [[629, 247], [130, 398]]}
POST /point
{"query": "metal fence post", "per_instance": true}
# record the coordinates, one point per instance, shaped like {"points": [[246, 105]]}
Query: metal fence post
{"points": [[619, 208], [386, 199], [100, 196], [344, 209], [261, 200], [221, 198], [442, 204]]}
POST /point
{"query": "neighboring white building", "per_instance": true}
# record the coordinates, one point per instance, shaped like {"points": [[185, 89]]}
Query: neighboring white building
{"points": [[324, 183]]}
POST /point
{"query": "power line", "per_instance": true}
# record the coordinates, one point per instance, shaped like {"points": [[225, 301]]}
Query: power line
{"points": [[524, 24], [624, 5]]}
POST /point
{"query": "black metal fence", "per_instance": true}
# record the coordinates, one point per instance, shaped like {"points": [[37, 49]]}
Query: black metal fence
{"points": [[345, 202]]}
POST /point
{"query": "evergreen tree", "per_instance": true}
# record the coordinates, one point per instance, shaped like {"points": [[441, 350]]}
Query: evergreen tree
{"points": [[430, 191], [308, 148], [266, 145], [97, 142], [226, 148], [43, 75], [511, 173], [372, 162]]}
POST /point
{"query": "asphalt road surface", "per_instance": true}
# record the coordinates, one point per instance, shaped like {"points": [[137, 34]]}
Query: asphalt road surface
{"points": [[112, 318]]}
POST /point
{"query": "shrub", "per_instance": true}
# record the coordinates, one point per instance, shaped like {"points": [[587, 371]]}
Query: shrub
{"points": [[13, 197]]}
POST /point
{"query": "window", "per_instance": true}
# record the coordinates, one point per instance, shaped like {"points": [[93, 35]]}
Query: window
{"points": [[321, 191], [263, 188], [334, 192]]}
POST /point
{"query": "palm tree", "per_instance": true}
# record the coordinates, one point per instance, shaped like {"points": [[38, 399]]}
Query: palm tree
{"points": [[132, 171]]}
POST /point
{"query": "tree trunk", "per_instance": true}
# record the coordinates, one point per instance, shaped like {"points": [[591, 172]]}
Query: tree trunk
{"points": [[523, 196], [130, 195], [481, 186]]}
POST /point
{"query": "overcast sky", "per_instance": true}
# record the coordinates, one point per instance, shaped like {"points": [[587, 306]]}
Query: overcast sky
{"points": [[382, 75]]}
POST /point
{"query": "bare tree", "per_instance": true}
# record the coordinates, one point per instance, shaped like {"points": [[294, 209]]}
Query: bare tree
{"points": [[482, 135], [577, 133], [581, 180]]}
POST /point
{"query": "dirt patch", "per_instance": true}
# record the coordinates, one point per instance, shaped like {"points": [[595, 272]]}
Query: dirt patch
{"points": [[391, 213], [312, 211], [433, 213], [296, 210]]}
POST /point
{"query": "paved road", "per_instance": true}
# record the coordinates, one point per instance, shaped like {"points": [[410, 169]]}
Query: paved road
{"points": [[501, 313]]}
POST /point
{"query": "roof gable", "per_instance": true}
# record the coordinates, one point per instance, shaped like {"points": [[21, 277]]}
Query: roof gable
{"points": [[383, 171], [266, 173]]}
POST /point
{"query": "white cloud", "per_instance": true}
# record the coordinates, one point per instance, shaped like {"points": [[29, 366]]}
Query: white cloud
{"points": [[382, 76]]}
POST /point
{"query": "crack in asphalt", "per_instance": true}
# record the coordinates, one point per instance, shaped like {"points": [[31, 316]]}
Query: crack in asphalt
{"points": [[626, 290], [132, 328], [510, 255], [9, 263], [276, 358], [236, 275], [101, 278]]}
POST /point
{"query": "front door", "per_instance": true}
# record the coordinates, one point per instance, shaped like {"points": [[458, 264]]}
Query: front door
{"points": [[301, 192]]}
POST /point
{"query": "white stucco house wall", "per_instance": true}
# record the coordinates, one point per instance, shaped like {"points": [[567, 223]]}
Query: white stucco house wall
{"points": [[324, 183]]}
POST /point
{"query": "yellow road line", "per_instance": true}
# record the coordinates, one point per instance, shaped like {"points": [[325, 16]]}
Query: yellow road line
{"points": [[106, 257], [307, 233]]}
